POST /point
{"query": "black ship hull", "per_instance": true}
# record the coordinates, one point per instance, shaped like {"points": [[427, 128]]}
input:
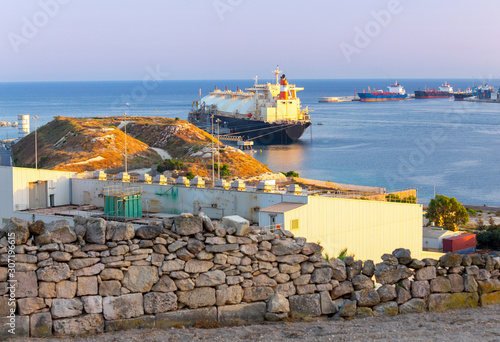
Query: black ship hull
{"points": [[264, 133], [461, 96], [423, 94]]}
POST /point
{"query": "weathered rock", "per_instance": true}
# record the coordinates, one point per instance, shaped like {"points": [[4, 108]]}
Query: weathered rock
{"points": [[62, 308], [187, 225], [447, 301], [450, 260], [305, 305], [241, 225], [27, 285], [79, 326], [250, 249], [111, 274], [197, 266], [489, 285], [37, 227], [416, 264], [20, 229], [348, 310], [87, 286], [230, 295], [173, 265], [222, 248], [265, 256], [212, 278], [343, 288], [311, 248], [386, 309], [278, 304], [440, 284], [292, 259], [166, 284], [327, 305], [140, 278], [492, 298], [368, 268], [258, 293], [76, 264], [89, 271], [264, 280], [286, 247], [360, 282], [403, 255], [195, 246], [199, 297], [426, 273], [286, 289], [186, 318], [41, 324], [402, 295], [367, 297], [302, 280], [470, 283], [155, 302], [339, 269], [207, 222], [362, 312], [456, 283], [354, 269], [387, 292], [385, 275], [420, 289], [125, 306], [415, 305], [56, 231], [96, 231], [123, 232], [289, 269], [46, 290], [26, 306], [390, 260], [66, 289], [148, 232], [176, 245], [322, 275], [184, 284], [3, 274], [242, 313], [110, 288], [92, 304]]}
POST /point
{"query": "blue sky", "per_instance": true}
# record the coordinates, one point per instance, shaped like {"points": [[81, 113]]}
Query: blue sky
{"points": [[73, 40]]}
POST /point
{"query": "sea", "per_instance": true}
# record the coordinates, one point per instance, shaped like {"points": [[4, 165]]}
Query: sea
{"points": [[437, 146]]}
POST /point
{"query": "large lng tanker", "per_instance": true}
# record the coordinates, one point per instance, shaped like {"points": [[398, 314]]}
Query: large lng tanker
{"points": [[395, 92], [265, 113]]}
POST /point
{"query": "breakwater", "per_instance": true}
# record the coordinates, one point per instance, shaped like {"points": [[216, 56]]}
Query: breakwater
{"points": [[105, 276]]}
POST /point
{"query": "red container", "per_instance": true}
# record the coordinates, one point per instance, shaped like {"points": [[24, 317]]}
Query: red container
{"points": [[459, 242]]}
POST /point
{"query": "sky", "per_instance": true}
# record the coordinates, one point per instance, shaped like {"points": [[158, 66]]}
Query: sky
{"points": [[86, 40]]}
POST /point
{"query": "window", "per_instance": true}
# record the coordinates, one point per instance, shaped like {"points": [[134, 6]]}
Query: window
{"points": [[294, 224]]}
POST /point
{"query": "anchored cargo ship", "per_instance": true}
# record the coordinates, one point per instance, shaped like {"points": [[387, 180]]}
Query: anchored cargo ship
{"points": [[265, 113], [395, 92], [444, 91]]}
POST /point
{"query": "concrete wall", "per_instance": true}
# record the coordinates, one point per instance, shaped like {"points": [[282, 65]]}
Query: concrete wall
{"points": [[157, 198], [14, 183], [365, 228]]}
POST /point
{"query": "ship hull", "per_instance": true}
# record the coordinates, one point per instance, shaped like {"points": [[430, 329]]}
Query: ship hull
{"points": [[370, 97], [264, 133], [422, 94], [462, 96]]}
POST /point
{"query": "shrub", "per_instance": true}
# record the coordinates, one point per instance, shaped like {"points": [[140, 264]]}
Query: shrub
{"points": [[343, 254], [190, 175], [291, 174], [170, 164], [224, 171]]}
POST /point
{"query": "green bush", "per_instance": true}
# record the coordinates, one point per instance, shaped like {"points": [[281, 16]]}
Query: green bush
{"points": [[396, 198], [343, 254], [224, 171], [291, 174], [170, 164], [190, 175], [490, 238]]}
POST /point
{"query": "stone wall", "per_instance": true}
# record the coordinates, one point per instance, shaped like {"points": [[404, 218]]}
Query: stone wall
{"points": [[108, 276]]}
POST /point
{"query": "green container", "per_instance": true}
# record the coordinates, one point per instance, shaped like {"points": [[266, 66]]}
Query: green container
{"points": [[123, 206]]}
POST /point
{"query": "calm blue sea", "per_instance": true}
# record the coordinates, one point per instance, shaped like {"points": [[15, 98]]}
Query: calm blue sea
{"points": [[452, 147]]}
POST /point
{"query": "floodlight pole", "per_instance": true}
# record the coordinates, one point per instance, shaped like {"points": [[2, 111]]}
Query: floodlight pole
{"points": [[212, 152], [125, 115], [218, 149], [36, 145]]}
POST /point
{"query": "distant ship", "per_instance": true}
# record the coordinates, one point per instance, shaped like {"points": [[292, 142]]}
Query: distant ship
{"points": [[267, 114], [460, 96], [444, 91], [395, 92]]}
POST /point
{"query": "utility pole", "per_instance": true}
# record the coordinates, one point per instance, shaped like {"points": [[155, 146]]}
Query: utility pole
{"points": [[125, 115], [218, 148], [36, 145]]}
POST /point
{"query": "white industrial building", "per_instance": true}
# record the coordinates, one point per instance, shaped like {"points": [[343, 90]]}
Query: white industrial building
{"points": [[367, 228]]}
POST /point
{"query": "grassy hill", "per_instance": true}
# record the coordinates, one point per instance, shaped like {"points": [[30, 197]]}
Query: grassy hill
{"points": [[88, 144]]}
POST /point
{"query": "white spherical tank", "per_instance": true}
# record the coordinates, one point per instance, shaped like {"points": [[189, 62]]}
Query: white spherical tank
{"points": [[24, 125]]}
